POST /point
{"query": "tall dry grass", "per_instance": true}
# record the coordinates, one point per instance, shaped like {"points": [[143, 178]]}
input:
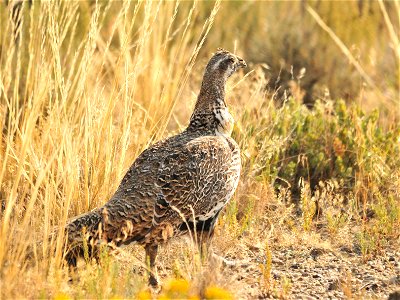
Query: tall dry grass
{"points": [[79, 101]]}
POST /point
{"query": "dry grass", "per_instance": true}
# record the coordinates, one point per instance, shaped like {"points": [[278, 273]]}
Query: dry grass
{"points": [[84, 88]]}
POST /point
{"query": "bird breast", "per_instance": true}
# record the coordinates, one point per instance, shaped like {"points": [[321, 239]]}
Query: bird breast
{"points": [[225, 122]]}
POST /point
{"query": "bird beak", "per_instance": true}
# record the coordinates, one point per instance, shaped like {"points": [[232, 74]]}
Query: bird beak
{"points": [[240, 63]]}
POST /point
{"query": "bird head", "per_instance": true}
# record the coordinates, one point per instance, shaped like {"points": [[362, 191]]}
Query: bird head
{"points": [[223, 64], [210, 112]]}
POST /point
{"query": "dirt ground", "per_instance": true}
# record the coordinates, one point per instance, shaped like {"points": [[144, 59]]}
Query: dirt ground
{"points": [[302, 266], [319, 273]]}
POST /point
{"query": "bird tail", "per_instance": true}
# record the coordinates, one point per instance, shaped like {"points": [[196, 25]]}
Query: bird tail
{"points": [[87, 222], [83, 234]]}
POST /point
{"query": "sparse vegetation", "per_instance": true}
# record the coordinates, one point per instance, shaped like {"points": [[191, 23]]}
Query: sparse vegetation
{"points": [[86, 86]]}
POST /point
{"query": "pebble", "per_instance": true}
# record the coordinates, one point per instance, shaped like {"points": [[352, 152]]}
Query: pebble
{"points": [[295, 266], [334, 285], [394, 280], [394, 295]]}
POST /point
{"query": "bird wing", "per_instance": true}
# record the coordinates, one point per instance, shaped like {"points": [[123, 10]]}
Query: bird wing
{"points": [[193, 179]]}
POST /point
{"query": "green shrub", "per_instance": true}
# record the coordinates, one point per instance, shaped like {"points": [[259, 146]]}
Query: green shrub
{"points": [[330, 142]]}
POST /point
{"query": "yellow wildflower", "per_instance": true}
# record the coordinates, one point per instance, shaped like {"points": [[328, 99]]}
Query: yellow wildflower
{"points": [[214, 292], [62, 296]]}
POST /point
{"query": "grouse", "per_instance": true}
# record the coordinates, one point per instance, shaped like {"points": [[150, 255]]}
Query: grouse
{"points": [[179, 184]]}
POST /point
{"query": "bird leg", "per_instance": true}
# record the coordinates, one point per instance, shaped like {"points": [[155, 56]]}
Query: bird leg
{"points": [[151, 254], [72, 263]]}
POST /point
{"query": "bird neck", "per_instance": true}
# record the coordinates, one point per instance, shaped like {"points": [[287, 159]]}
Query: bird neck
{"points": [[211, 114], [212, 94]]}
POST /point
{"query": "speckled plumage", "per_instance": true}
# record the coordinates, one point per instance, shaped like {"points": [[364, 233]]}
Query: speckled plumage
{"points": [[177, 184]]}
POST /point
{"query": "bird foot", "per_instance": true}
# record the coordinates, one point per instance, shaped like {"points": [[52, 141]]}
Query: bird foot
{"points": [[153, 281]]}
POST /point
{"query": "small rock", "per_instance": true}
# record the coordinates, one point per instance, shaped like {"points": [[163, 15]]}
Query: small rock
{"points": [[369, 278], [394, 296], [276, 275], [277, 261], [316, 252], [331, 267], [346, 249], [334, 285], [373, 286], [357, 249], [394, 280], [295, 266]]}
